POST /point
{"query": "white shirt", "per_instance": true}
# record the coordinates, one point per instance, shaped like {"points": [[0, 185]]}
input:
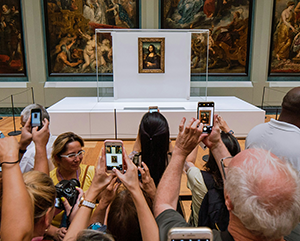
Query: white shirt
{"points": [[281, 138], [27, 161]]}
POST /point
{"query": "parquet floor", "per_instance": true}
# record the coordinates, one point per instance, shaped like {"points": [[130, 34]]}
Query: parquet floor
{"points": [[93, 149]]}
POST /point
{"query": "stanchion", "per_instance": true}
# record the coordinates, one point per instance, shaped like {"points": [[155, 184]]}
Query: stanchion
{"points": [[14, 132], [115, 119], [32, 95]]}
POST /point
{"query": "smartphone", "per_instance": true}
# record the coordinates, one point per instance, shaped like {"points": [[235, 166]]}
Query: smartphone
{"points": [[36, 118], [114, 154], [190, 234], [205, 113], [153, 109]]}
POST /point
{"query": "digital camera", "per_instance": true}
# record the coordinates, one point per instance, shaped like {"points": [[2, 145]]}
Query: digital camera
{"points": [[66, 189]]}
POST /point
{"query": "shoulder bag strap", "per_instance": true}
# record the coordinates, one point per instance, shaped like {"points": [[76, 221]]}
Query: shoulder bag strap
{"points": [[86, 170]]}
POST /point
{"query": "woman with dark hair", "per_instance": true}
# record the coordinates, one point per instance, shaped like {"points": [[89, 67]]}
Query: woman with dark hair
{"points": [[153, 144], [197, 179], [152, 59]]}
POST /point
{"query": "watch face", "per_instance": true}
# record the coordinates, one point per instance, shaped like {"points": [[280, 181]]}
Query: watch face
{"points": [[86, 203]]}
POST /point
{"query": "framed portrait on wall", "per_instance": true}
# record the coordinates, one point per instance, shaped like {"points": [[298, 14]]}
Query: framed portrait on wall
{"points": [[285, 41], [70, 34], [12, 57], [229, 23], [151, 55]]}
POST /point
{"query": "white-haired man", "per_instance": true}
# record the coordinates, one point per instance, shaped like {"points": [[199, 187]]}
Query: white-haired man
{"points": [[262, 193], [26, 145]]}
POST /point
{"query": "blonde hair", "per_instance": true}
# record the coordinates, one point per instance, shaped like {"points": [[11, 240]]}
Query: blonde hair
{"points": [[60, 144], [42, 192]]}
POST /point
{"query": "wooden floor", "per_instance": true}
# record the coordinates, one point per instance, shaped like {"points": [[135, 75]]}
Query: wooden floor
{"points": [[93, 149]]}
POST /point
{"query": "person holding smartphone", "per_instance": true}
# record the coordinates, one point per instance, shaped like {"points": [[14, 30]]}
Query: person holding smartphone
{"points": [[255, 189], [26, 145]]}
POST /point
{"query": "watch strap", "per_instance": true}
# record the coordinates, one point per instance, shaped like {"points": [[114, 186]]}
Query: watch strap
{"points": [[86, 203]]}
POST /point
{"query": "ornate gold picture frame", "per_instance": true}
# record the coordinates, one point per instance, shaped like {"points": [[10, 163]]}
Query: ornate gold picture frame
{"points": [[151, 55]]}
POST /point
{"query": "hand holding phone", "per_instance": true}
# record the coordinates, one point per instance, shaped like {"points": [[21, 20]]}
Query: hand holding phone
{"points": [[205, 113], [36, 118], [153, 109], [114, 154]]}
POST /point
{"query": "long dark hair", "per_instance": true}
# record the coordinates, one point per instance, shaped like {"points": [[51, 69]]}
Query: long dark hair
{"points": [[211, 166], [154, 135]]}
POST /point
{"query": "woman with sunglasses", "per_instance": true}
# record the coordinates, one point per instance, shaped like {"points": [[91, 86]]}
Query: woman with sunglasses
{"points": [[67, 155]]}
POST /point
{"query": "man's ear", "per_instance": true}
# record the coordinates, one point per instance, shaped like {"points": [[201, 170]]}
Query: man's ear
{"points": [[228, 202]]}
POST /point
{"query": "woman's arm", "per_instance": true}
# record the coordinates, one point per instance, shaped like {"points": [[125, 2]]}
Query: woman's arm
{"points": [[137, 144], [17, 206], [100, 182], [149, 229], [105, 199]]}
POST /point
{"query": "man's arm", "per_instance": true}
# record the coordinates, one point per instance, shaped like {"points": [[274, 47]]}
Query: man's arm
{"points": [[40, 139], [169, 186], [17, 205], [216, 145]]}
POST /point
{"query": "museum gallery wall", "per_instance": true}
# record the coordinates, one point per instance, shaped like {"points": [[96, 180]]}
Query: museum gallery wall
{"points": [[70, 44], [285, 41], [12, 62], [70, 33], [229, 22]]}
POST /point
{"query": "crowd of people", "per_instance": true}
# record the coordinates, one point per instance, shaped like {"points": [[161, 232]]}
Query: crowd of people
{"points": [[251, 194]]}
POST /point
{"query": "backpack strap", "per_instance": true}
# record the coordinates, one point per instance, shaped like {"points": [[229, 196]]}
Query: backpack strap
{"points": [[226, 236], [85, 172]]}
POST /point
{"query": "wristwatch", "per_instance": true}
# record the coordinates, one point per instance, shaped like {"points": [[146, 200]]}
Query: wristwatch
{"points": [[86, 203]]}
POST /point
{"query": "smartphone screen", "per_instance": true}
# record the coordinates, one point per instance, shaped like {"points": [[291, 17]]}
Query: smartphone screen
{"points": [[114, 155], [206, 113], [36, 118]]}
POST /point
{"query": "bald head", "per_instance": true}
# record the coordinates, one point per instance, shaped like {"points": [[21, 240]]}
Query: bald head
{"points": [[291, 101], [264, 192]]}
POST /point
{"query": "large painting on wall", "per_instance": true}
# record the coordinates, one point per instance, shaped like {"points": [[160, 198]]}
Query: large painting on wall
{"points": [[285, 43], [70, 33], [12, 62], [229, 24]]}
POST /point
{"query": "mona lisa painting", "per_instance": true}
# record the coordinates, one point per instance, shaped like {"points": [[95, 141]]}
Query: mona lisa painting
{"points": [[151, 55]]}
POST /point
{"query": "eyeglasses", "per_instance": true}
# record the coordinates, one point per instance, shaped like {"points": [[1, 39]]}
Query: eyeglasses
{"points": [[223, 165], [74, 155]]}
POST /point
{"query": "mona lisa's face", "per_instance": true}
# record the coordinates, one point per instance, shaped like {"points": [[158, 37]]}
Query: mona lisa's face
{"points": [[150, 48]]}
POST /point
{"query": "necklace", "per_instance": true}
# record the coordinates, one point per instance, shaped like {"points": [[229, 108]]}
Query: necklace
{"points": [[58, 172]]}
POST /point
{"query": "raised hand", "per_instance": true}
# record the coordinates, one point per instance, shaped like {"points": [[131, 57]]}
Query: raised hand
{"points": [[189, 136], [130, 177], [147, 183], [41, 137], [26, 135]]}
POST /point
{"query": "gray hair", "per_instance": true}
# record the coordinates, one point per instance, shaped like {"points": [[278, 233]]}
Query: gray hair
{"points": [[93, 235], [26, 112], [265, 194]]}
